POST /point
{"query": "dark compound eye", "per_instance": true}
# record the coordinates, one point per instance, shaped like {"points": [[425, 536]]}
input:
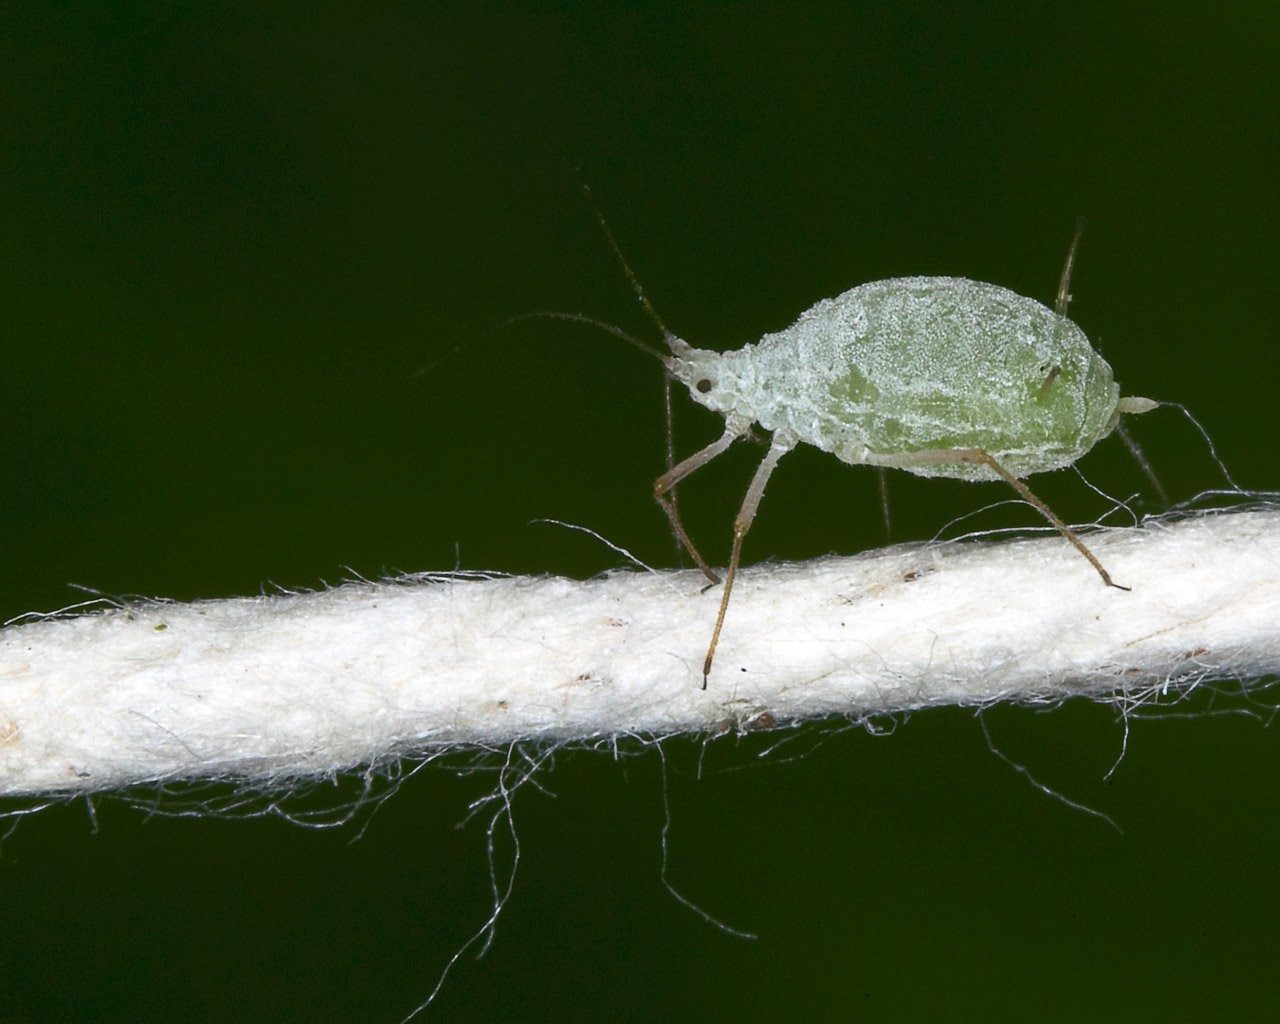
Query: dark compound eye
{"points": [[703, 385]]}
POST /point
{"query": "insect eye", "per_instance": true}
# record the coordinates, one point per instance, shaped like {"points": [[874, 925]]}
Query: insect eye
{"points": [[703, 385]]}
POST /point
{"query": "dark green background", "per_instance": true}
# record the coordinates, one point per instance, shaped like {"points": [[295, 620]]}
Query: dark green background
{"points": [[229, 241]]}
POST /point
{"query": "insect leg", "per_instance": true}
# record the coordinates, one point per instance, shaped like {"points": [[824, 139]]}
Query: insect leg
{"points": [[1064, 282], [1140, 456], [741, 525], [669, 450], [882, 481], [663, 486], [982, 456]]}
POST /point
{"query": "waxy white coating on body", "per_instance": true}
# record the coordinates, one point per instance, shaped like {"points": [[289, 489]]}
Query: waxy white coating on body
{"points": [[918, 364]]}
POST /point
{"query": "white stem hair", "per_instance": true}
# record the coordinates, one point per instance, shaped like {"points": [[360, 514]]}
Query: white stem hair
{"points": [[275, 689]]}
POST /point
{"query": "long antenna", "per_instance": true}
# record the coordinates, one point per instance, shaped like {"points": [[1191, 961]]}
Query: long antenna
{"points": [[578, 318], [622, 260], [670, 504]]}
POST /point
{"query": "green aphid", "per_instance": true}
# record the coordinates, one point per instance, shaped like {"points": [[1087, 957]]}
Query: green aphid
{"points": [[896, 368], [940, 376]]}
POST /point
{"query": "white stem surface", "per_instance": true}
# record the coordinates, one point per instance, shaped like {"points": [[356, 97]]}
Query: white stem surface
{"points": [[271, 689]]}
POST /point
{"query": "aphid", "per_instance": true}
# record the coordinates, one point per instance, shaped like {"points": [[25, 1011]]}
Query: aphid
{"points": [[940, 376]]}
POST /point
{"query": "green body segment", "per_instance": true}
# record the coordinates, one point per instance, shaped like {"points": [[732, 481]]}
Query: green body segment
{"points": [[919, 364]]}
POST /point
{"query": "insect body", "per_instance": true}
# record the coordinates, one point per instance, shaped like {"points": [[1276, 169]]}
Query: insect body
{"points": [[894, 369], [940, 376]]}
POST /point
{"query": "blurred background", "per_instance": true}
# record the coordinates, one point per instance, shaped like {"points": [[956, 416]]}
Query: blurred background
{"points": [[251, 263]]}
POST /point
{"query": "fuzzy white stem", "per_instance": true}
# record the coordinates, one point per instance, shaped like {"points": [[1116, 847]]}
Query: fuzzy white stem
{"points": [[270, 689]]}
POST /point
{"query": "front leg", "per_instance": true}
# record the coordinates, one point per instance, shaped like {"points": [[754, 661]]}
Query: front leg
{"points": [[665, 483]]}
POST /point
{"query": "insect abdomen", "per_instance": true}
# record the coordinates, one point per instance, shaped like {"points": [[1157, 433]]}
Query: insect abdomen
{"points": [[914, 364]]}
